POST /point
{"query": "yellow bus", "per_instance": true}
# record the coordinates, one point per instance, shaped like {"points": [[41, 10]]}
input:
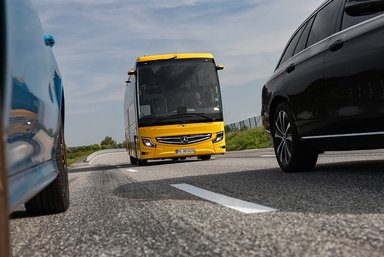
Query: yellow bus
{"points": [[173, 108]]}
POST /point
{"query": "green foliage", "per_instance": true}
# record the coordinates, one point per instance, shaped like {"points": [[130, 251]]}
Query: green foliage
{"points": [[76, 153], [247, 139], [108, 143], [122, 145]]}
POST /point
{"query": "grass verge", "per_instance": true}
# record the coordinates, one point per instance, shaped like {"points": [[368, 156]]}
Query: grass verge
{"points": [[73, 157], [247, 139]]}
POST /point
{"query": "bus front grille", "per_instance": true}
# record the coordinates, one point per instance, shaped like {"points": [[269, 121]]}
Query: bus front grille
{"points": [[184, 140]]}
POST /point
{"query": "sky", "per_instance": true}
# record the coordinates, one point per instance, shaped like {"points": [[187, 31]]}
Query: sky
{"points": [[98, 41]]}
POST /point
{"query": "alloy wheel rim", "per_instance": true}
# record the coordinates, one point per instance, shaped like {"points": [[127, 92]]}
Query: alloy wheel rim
{"points": [[283, 137]]}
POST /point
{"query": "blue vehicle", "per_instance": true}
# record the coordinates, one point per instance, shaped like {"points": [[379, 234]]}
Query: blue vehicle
{"points": [[33, 168]]}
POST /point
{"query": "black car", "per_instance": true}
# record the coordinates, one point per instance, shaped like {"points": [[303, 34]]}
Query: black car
{"points": [[327, 92]]}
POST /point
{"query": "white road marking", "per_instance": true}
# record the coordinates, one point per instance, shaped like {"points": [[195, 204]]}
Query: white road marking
{"points": [[233, 203], [132, 170], [268, 155]]}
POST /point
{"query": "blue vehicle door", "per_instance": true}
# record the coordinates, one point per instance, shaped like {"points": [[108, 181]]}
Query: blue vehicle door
{"points": [[34, 91]]}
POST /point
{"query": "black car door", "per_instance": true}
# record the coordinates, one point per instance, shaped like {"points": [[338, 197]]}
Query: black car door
{"points": [[354, 70], [304, 78]]}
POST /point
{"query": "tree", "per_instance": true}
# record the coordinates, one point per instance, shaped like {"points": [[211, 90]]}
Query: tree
{"points": [[123, 144], [108, 143]]}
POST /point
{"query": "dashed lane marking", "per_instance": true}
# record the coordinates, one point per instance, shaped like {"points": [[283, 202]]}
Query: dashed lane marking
{"points": [[230, 202]]}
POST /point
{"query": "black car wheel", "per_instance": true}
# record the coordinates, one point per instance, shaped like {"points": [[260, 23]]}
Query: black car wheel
{"points": [[55, 197], [291, 154]]}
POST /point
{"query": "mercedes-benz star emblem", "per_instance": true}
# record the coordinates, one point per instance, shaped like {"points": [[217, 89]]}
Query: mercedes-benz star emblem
{"points": [[184, 140]]}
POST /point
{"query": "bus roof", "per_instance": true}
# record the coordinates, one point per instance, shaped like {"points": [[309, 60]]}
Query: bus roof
{"points": [[147, 58]]}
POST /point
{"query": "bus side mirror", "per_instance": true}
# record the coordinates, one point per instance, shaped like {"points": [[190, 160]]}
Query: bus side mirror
{"points": [[131, 72], [219, 67]]}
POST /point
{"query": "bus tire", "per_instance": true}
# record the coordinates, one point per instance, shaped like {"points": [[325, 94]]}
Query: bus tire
{"points": [[142, 162], [204, 157], [133, 160]]}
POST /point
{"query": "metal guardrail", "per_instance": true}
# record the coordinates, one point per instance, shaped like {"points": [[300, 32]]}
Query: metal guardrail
{"points": [[253, 122]]}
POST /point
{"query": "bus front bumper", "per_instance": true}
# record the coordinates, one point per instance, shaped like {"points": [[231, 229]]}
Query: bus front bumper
{"points": [[166, 151]]}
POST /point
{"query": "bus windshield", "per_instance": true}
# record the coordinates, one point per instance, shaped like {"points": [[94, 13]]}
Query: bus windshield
{"points": [[178, 91]]}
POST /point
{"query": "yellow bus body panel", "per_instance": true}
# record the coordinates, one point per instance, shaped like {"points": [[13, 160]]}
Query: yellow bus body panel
{"points": [[164, 151]]}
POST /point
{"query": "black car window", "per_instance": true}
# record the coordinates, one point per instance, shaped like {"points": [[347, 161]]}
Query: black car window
{"points": [[323, 25], [349, 20], [304, 36], [292, 45]]}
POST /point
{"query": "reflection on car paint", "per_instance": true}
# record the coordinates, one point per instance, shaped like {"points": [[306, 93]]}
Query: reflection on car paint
{"points": [[29, 142]]}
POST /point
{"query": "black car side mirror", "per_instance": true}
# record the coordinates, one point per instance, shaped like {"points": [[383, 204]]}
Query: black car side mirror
{"points": [[363, 7]]}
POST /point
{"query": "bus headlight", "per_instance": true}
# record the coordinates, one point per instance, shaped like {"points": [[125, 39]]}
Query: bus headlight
{"points": [[219, 137], [147, 142]]}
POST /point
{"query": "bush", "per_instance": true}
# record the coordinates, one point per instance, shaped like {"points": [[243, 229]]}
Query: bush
{"points": [[247, 139], [76, 153], [80, 152]]}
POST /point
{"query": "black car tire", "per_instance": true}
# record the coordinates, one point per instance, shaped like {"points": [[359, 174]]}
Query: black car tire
{"points": [[55, 197], [291, 153], [133, 160]]}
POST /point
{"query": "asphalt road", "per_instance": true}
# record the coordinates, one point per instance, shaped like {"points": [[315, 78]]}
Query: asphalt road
{"points": [[119, 209]]}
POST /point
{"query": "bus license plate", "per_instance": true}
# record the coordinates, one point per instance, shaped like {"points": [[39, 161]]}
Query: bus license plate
{"points": [[185, 151]]}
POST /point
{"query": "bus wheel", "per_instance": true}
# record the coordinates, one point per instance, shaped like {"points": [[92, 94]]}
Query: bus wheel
{"points": [[142, 162], [133, 160], [204, 157], [175, 159]]}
